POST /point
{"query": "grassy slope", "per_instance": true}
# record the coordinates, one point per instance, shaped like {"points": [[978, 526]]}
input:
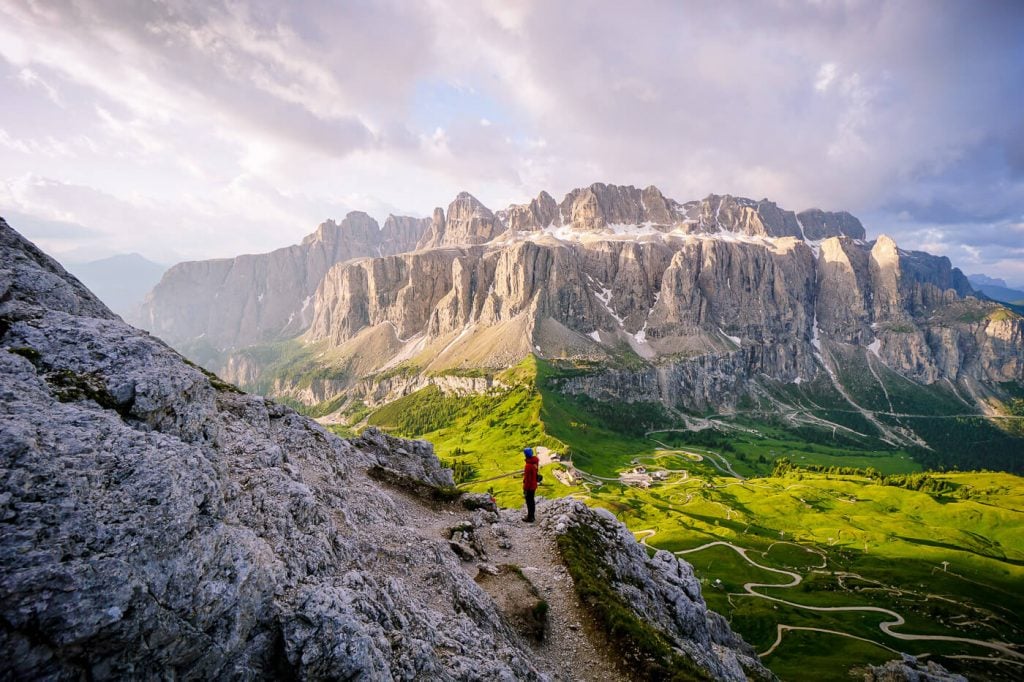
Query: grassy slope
{"points": [[894, 538]]}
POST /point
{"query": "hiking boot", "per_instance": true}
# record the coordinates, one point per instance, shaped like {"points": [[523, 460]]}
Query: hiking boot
{"points": [[527, 519]]}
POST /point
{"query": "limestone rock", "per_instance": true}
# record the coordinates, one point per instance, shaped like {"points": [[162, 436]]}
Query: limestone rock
{"points": [[225, 303], [818, 224], [467, 222], [660, 590], [536, 215], [909, 669], [158, 523]]}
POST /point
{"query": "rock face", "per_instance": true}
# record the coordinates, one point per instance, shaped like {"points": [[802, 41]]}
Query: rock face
{"points": [[707, 315], [468, 222], [159, 523], [909, 669], [708, 297], [661, 589], [208, 307], [230, 302]]}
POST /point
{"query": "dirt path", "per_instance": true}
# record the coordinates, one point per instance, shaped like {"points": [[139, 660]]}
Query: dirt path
{"points": [[573, 648]]}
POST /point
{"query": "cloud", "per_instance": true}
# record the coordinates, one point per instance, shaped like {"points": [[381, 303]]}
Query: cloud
{"points": [[230, 117], [826, 74]]}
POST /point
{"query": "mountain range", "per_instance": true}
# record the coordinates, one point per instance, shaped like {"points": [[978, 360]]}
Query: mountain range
{"points": [[705, 306], [997, 290]]}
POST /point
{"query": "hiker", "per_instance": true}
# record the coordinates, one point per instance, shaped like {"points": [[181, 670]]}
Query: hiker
{"points": [[530, 480]]}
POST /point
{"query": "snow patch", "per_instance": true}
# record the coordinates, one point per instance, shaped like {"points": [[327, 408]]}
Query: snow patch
{"points": [[874, 346], [641, 336], [595, 335], [605, 297], [734, 339]]}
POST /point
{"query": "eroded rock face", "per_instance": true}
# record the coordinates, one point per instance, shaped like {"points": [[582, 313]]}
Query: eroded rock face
{"points": [[536, 215], [660, 590], [209, 307], [157, 523], [467, 222], [709, 295], [226, 303], [818, 224], [707, 314]]}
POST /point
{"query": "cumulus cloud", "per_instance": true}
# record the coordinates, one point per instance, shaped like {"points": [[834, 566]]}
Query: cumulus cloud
{"points": [[232, 117]]}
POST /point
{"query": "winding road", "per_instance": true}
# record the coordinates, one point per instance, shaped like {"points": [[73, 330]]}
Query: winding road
{"points": [[885, 626]]}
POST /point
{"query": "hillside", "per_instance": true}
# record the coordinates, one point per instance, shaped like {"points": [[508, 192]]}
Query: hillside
{"points": [[869, 555]]}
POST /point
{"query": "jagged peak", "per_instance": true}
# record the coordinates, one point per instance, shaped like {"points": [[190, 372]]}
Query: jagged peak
{"points": [[465, 202], [354, 221]]}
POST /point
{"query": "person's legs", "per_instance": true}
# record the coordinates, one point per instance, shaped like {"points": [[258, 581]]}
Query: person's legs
{"points": [[531, 506]]}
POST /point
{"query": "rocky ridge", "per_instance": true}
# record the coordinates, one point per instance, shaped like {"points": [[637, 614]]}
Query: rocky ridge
{"points": [[158, 522]]}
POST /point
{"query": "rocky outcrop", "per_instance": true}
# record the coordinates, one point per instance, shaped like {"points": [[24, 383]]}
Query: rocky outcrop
{"points": [[659, 591], [817, 224], [600, 205], [536, 215], [910, 669], [467, 222], [226, 303], [400, 234], [158, 523]]}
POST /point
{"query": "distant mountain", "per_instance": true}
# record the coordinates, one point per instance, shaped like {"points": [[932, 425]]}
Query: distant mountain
{"points": [[206, 307], [985, 279], [997, 289], [120, 281]]}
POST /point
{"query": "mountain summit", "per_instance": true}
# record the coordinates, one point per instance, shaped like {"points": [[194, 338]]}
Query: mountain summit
{"points": [[700, 306]]}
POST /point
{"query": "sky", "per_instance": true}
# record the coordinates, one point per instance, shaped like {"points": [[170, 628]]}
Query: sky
{"points": [[184, 130]]}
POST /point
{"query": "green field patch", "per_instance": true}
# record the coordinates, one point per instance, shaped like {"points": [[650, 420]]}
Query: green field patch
{"points": [[803, 652], [790, 556]]}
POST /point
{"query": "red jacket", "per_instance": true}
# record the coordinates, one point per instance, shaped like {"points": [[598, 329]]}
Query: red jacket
{"points": [[530, 473]]}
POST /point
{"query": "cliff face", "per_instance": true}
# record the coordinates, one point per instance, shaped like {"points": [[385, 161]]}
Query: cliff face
{"points": [[467, 222], [159, 523], [231, 302], [227, 304], [709, 295], [707, 314]]}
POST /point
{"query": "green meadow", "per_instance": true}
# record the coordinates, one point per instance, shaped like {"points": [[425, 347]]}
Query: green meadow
{"points": [[824, 523]]}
